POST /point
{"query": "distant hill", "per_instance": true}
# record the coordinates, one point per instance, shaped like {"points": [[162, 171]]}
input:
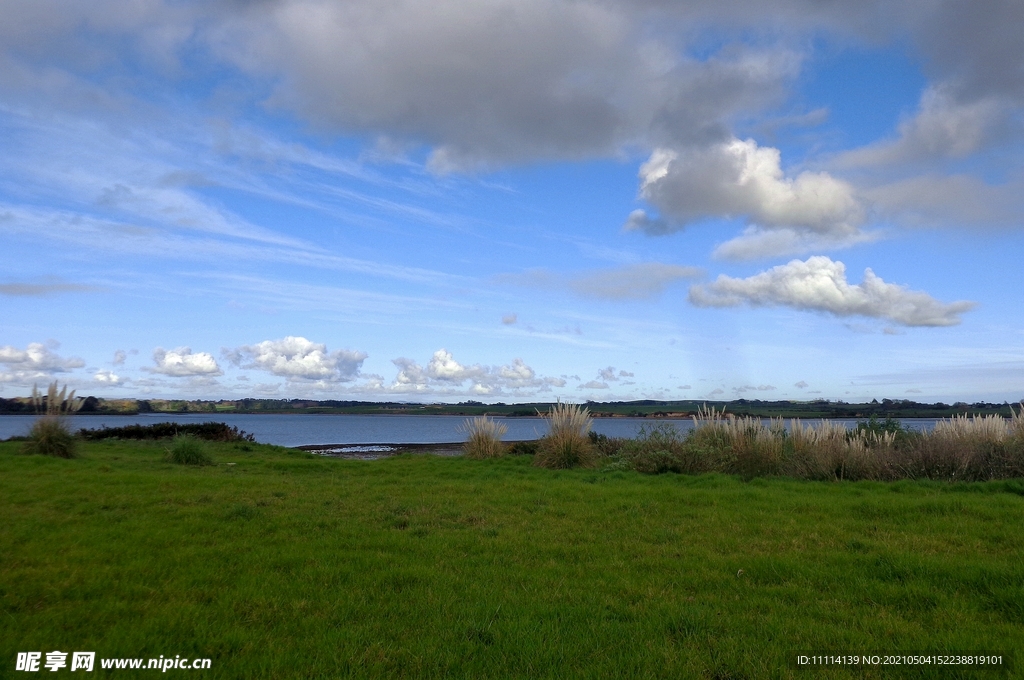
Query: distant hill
{"points": [[646, 408]]}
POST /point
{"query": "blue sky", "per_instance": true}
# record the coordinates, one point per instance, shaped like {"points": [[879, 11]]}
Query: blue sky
{"points": [[513, 200]]}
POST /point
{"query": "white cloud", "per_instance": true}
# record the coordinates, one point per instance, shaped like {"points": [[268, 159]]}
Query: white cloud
{"points": [[442, 366], [509, 319], [36, 361], [296, 358], [411, 376], [740, 179], [820, 284], [181, 362], [119, 357], [443, 373], [800, 385], [108, 378], [593, 385], [755, 243]]}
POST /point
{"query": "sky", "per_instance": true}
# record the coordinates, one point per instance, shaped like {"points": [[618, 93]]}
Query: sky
{"points": [[513, 200]]}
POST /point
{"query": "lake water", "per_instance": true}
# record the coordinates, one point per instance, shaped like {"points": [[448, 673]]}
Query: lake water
{"points": [[300, 429]]}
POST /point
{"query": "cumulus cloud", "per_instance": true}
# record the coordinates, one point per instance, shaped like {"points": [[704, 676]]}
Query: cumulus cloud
{"points": [[181, 362], [36, 361], [108, 378], [443, 366], [119, 357], [738, 178], [298, 359], [443, 373], [819, 284], [644, 280], [800, 385]]}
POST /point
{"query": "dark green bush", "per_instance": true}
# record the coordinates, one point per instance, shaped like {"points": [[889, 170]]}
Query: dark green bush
{"points": [[213, 432], [903, 436], [523, 448], [663, 448], [605, 445]]}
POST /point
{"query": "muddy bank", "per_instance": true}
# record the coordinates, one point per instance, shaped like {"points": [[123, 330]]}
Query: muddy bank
{"points": [[375, 451]]}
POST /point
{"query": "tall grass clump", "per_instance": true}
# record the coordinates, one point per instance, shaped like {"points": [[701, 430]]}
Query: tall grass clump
{"points": [[970, 449], [483, 438], [188, 450], [829, 451], [739, 445], [566, 444], [50, 434]]}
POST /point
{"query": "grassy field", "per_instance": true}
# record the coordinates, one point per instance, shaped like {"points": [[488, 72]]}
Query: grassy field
{"points": [[285, 565]]}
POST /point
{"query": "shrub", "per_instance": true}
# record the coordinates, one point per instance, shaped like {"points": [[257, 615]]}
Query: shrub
{"points": [[605, 445], [662, 448], [50, 436], [566, 445], [210, 431], [484, 438], [522, 448], [187, 450]]}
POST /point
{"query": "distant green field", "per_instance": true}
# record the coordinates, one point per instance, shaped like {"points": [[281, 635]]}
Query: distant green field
{"points": [[285, 565]]}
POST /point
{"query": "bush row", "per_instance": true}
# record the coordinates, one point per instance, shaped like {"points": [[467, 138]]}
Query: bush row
{"points": [[214, 432], [960, 449]]}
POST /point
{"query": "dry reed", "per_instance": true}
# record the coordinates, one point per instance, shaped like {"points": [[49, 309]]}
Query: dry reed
{"points": [[566, 445], [483, 438]]}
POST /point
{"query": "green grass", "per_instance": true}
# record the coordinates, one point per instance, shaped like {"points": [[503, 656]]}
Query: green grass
{"points": [[286, 565], [188, 450]]}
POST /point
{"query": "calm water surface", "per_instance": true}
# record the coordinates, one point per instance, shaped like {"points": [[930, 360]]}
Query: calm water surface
{"points": [[299, 429]]}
